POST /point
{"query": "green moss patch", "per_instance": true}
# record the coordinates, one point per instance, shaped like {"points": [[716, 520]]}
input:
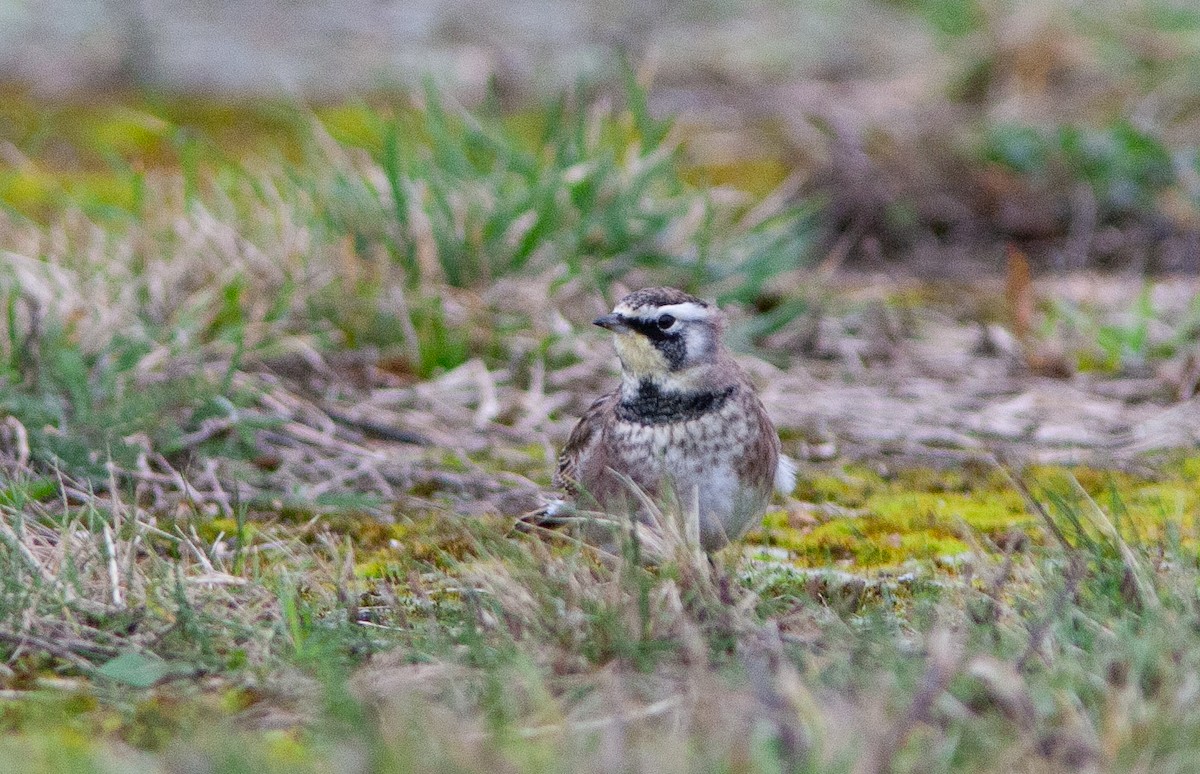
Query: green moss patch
{"points": [[930, 516]]}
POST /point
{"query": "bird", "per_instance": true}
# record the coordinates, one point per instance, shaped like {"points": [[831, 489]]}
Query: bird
{"points": [[684, 420]]}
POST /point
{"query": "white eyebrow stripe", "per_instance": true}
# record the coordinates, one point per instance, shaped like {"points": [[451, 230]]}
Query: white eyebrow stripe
{"points": [[688, 310]]}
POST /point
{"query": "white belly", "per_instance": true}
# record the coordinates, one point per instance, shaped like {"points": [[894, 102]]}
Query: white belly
{"points": [[695, 461]]}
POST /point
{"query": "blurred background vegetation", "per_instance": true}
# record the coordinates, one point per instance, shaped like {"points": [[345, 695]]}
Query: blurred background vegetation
{"points": [[925, 133]]}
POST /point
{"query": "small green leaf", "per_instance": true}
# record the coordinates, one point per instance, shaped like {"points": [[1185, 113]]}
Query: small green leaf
{"points": [[140, 670]]}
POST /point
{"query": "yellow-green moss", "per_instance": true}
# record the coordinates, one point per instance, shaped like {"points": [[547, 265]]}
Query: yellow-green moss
{"points": [[28, 190], [211, 529], [858, 543], [286, 747], [757, 176], [775, 520], [923, 514], [357, 125], [127, 132], [429, 540], [898, 526], [850, 487], [986, 512]]}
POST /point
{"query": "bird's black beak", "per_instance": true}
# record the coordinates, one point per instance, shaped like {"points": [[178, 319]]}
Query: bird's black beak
{"points": [[612, 322]]}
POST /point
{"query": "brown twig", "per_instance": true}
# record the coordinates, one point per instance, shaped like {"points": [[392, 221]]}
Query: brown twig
{"points": [[55, 649]]}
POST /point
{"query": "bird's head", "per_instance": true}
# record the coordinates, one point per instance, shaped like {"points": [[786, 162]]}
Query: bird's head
{"points": [[665, 334]]}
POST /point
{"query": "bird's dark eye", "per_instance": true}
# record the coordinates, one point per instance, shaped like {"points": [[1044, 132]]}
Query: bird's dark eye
{"points": [[666, 321]]}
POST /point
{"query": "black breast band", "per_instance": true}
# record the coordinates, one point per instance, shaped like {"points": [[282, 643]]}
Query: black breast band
{"points": [[652, 406]]}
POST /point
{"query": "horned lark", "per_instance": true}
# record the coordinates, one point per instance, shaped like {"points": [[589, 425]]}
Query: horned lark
{"points": [[684, 420]]}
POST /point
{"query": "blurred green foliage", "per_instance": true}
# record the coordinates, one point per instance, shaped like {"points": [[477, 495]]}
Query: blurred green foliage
{"points": [[1125, 168], [949, 18], [596, 191]]}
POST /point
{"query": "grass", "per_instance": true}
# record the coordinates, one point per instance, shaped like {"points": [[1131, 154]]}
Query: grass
{"points": [[274, 380], [388, 214], [1130, 341], [521, 654]]}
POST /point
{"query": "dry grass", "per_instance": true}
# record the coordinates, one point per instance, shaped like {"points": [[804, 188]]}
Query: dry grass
{"points": [[263, 438]]}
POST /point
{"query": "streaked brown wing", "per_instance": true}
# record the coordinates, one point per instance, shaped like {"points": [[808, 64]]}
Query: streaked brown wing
{"points": [[757, 466], [582, 442]]}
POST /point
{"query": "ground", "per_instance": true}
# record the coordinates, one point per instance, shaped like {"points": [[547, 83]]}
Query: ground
{"points": [[277, 381], [972, 545]]}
